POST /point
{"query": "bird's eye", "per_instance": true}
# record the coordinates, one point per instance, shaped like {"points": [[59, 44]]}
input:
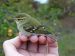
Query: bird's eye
{"points": [[19, 19]]}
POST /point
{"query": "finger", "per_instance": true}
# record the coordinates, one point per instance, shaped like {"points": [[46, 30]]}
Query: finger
{"points": [[16, 42], [51, 55], [52, 45], [24, 46], [42, 49], [23, 37], [50, 39], [53, 48], [42, 39], [34, 38], [10, 49], [39, 54], [32, 47], [48, 48]]}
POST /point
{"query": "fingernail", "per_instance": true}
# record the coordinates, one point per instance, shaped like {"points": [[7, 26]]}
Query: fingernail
{"points": [[51, 39], [34, 38], [42, 39], [23, 37]]}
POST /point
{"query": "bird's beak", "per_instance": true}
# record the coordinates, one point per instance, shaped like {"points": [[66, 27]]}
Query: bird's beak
{"points": [[14, 19]]}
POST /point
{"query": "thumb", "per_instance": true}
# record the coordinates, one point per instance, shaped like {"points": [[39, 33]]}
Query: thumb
{"points": [[10, 49]]}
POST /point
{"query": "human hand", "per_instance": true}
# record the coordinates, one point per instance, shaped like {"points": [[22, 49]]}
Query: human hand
{"points": [[36, 46]]}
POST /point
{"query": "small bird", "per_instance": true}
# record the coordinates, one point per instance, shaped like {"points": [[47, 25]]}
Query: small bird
{"points": [[29, 25]]}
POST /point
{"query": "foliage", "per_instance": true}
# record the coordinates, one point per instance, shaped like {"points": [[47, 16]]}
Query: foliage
{"points": [[46, 13]]}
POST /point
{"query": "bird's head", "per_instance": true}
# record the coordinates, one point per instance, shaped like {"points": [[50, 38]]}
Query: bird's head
{"points": [[22, 17]]}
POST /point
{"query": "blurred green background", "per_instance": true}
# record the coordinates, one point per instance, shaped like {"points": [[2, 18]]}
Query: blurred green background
{"points": [[59, 14]]}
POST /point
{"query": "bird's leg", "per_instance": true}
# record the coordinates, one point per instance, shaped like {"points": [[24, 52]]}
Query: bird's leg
{"points": [[38, 44], [28, 42], [47, 46]]}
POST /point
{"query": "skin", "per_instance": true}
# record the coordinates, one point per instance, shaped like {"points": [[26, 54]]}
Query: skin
{"points": [[18, 46]]}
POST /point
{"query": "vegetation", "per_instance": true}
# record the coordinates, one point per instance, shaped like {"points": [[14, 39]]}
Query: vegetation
{"points": [[50, 13]]}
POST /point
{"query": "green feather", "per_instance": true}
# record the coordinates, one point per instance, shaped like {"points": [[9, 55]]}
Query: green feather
{"points": [[29, 25]]}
